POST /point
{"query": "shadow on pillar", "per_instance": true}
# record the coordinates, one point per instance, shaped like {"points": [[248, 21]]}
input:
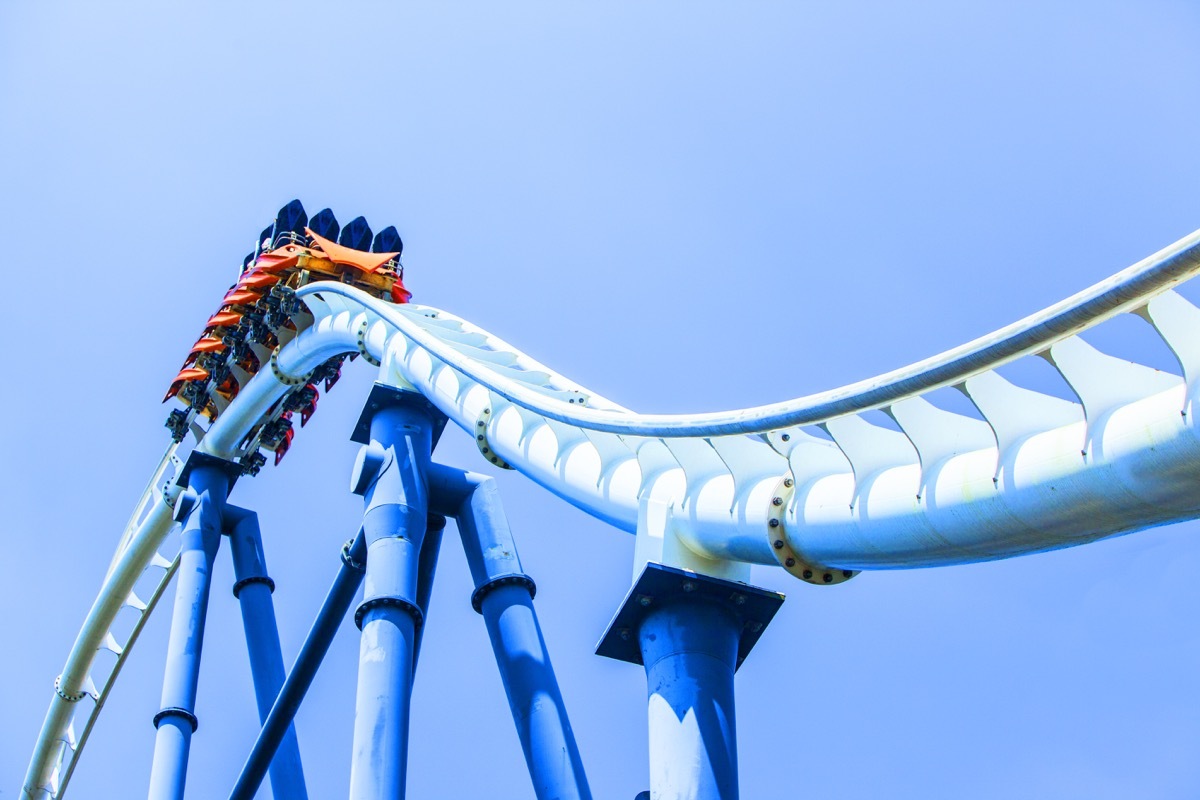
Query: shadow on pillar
{"points": [[690, 632]]}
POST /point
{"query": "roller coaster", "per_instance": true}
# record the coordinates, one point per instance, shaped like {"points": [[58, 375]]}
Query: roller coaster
{"points": [[811, 485]]}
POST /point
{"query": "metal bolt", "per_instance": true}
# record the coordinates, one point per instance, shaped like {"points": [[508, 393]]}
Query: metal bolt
{"points": [[791, 562], [739, 599], [688, 586], [847, 573], [788, 482], [807, 574], [754, 626], [787, 437], [644, 600], [777, 501], [773, 523], [778, 543], [625, 633], [827, 578]]}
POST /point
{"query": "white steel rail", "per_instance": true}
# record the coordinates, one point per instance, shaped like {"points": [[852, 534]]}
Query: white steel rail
{"points": [[756, 485]]}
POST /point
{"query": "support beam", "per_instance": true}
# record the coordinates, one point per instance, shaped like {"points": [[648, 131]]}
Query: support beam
{"points": [[390, 474], [504, 596], [176, 722], [253, 589], [691, 632], [689, 650], [435, 525], [312, 653]]}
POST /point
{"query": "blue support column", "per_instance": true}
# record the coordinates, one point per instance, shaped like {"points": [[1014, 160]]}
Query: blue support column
{"points": [[691, 632], [689, 650], [435, 524], [504, 596], [176, 722], [253, 589], [390, 474], [316, 645]]}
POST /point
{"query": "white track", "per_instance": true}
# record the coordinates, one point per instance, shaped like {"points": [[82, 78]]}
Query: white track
{"points": [[808, 483]]}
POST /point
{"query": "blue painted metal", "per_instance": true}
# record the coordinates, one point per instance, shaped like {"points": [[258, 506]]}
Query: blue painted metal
{"points": [[176, 722], [689, 649], [391, 477], [253, 590], [504, 596], [316, 645], [691, 632], [435, 524]]}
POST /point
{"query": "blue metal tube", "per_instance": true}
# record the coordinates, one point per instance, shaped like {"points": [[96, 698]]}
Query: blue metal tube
{"points": [[396, 501], [689, 649], [176, 722], [253, 590], [435, 524], [316, 645], [504, 596]]}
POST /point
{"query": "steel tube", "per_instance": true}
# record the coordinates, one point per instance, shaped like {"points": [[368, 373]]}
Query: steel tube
{"points": [[431, 547], [503, 595], [394, 526], [312, 653], [253, 589], [689, 650], [1122, 292], [176, 722]]}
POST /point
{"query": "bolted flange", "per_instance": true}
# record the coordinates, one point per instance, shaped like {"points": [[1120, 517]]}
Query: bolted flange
{"points": [[481, 440], [283, 377], [362, 344], [781, 498]]}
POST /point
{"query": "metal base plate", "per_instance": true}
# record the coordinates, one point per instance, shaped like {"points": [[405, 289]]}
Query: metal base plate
{"points": [[658, 583], [195, 459], [383, 396]]}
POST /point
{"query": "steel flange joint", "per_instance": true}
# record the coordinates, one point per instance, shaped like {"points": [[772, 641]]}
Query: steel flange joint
{"points": [[817, 575], [406, 606], [492, 584]]}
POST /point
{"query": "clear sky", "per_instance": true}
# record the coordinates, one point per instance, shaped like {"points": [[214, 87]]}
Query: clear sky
{"points": [[684, 207]]}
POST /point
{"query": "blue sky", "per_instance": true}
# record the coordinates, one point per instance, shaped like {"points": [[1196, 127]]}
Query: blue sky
{"points": [[684, 207]]}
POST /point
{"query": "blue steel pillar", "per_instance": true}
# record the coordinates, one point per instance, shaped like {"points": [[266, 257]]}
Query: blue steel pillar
{"points": [[431, 547], [691, 632], [689, 650], [176, 722], [504, 596], [312, 652], [253, 589], [390, 475]]}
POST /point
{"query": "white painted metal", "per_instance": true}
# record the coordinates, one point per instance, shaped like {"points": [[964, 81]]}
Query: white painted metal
{"points": [[1035, 474]]}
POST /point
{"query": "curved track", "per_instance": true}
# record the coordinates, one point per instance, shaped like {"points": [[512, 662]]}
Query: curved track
{"points": [[809, 484]]}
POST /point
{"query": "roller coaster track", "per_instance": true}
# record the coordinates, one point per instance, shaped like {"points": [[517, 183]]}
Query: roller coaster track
{"points": [[809, 484]]}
